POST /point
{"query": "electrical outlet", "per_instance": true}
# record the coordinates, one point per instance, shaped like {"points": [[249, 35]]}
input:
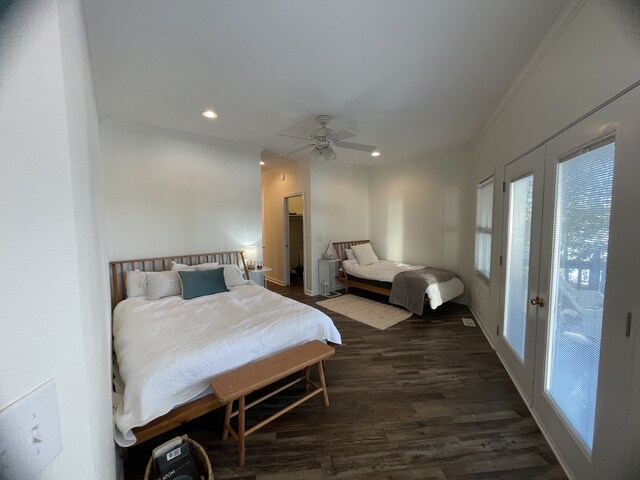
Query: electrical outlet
{"points": [[30, 433]]}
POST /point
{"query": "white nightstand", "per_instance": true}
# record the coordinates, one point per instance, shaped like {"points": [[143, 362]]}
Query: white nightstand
{"points": [[257, 275], [327, 272]]}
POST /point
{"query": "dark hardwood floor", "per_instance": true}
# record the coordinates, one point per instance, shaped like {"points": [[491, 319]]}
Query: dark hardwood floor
{"points": [[427, 398]]}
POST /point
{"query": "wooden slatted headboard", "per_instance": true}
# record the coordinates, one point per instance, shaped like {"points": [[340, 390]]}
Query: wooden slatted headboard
{"points": [[118, 269], [340, 247]]}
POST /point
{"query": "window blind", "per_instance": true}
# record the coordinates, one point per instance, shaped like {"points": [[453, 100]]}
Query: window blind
{"points": [[580, 249], [484, 222]]}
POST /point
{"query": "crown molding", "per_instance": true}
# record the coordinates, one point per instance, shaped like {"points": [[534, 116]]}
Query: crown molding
{"points": [[550, 38], [161, 131]]}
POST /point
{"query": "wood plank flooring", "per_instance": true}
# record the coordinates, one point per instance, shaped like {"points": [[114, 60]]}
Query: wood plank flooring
{"points": [[425, 399]]}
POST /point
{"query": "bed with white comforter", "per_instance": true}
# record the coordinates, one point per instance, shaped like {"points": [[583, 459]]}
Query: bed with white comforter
{"points": [[167, 350], [386, 270]]}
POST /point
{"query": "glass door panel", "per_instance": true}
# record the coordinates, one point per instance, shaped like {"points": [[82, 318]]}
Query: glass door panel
{"points": [[578, 277], [517, 265], [519, 276]]}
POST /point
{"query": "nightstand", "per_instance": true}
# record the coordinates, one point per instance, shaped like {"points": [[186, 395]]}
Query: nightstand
{"points": [[257, 275], [327, 272]]}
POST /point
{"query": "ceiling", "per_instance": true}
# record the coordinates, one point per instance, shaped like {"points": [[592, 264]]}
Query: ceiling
{"points": [[411, 76]]}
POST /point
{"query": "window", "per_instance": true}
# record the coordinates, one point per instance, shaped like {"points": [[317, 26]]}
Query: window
{"points": [[484, 220], [584, 190]]}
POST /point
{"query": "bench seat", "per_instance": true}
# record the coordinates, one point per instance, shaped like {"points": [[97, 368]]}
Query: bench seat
{"points": [[240, 382]]}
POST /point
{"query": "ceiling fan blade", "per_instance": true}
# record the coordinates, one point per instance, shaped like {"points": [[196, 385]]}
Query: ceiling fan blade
{"points": [[296, 150], [293, 136], [356, 146], [341, 135]]}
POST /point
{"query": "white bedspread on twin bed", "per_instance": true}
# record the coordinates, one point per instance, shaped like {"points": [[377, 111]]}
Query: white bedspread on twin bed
{"points": [[168, 349], [386, 270]]}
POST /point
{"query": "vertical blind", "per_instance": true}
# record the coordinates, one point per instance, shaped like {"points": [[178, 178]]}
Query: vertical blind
{"points": [[484, 219]]}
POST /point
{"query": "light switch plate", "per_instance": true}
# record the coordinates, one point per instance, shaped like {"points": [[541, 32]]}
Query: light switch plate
{"points": [[30, 433]]}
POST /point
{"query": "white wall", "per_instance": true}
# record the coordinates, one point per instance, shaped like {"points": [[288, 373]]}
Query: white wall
{"points": [[168, 194], [422, 212], [596, 56], [53, 287], [339, 207]]}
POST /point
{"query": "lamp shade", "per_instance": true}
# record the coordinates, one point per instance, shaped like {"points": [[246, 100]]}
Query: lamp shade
{"points": [[250, 252]]}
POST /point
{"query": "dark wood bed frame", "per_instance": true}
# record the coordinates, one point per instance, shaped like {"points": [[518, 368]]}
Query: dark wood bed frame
{"points": [[340, 248], [118, 271]]}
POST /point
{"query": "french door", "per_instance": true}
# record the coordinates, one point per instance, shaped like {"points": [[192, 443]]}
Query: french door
{"points": [[523, 191], [569, 285]]}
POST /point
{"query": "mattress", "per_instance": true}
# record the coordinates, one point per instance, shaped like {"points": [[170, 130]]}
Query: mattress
{"points": [[167, 350], [386, 270]]}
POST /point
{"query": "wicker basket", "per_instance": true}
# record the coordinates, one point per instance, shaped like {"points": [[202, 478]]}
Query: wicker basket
{"points": [[199, 456]]}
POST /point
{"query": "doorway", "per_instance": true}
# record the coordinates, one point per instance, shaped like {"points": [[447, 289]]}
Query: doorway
{"points": [[294, 251]]}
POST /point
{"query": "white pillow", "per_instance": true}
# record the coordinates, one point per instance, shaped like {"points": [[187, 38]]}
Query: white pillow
{"points": [[176, 267], [364, 254], [233, 276], [349, 253], [163, 284], [136, 283], [207, 266]]}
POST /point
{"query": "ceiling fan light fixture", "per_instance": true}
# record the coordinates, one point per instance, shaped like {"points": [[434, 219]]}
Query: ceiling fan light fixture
{"points": [[324, 139], [316, 154], [329, 154], [375, 153]]}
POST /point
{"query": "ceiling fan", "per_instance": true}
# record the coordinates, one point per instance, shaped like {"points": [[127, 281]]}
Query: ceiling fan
{"points": [[324, 139]]}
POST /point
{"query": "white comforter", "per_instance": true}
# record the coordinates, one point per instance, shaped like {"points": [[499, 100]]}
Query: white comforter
{"points": [[386, 271], [168, 349]]}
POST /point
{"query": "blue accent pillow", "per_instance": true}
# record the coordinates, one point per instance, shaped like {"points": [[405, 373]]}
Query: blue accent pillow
{"points": [[203, 282]]}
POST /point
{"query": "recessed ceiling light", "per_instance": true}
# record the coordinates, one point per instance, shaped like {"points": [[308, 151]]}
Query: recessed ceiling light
{"points": [[375, 154], [261, 162], [209, 114]]}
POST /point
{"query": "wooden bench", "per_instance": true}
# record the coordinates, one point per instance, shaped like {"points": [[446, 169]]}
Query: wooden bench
{"points": [[238, 383]]}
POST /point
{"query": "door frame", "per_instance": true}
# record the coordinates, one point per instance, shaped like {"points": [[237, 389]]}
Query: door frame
{"points": [[286, 277]]}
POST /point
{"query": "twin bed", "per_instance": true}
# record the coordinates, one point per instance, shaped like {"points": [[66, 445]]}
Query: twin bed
{"points": [[380, 275], [168, 349]]}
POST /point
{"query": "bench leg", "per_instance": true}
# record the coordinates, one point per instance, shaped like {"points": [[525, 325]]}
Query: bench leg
{"points": [[227, 420], [241, 428], [323, 384], [307, 372]]}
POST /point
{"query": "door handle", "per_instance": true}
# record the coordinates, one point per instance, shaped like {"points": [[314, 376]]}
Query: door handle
{"points": [[537, 301]]}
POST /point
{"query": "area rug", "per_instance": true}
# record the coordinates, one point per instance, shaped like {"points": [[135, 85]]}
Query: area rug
{"points": [[363, 310]]}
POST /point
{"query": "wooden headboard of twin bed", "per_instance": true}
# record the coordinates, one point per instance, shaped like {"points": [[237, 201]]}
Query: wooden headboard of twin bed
{"points": [[340, 247], [118, 269]]}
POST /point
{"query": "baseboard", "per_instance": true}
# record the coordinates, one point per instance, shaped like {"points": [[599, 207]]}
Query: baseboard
{"points": [[482, 327], [274, 280]]}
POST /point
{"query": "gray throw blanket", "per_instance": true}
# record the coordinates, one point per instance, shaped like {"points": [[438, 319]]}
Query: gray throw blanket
{"points": [[408, 288]]}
